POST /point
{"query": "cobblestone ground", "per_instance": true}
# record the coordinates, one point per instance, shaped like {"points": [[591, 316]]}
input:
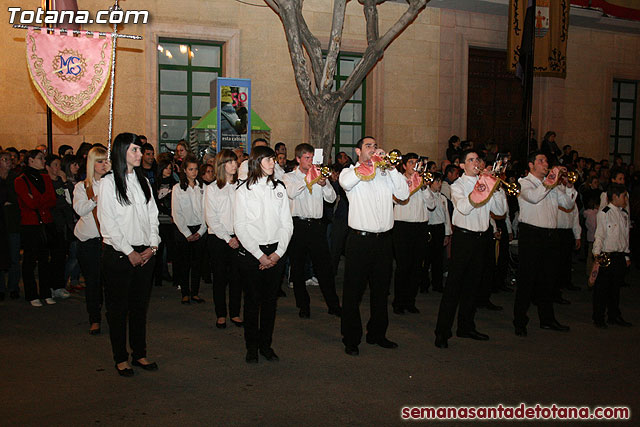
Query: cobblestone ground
{"points": [[53, 373]]}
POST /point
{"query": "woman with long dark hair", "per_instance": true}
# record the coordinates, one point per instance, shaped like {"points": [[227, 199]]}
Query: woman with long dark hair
{"points": [[128, 219], [263, 225], [223, 243], [36, 198], [85, 204], [187, 210]]}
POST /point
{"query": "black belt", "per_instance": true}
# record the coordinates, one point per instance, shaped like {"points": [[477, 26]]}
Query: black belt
{"points": [[469, 232], [535, 227], [369, 234], [308, 220]]}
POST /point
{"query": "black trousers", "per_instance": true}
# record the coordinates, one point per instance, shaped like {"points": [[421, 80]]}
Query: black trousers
{"points": [[606, 291], [409, 247], [462, 282], [58, 259], [127, 290], [537, 267], [166, 245], [225, 267], [260, 289], [187, 261], [38, 243], [89, 257], [339, 232], [566, 243], [368, 260], [310, 239], [488, 253], [435, 257]]}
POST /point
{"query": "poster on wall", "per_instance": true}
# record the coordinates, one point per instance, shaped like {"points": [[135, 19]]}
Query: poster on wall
{"points": [[234, 113]]}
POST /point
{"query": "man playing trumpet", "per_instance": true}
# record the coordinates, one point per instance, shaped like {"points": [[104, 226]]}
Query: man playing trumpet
{"points": [[307, 189], [369, 252], [538, 241], [410, 235], [473, 199]]}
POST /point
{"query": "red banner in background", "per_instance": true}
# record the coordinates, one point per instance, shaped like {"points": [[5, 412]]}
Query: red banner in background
{"points": [[624, 9]]}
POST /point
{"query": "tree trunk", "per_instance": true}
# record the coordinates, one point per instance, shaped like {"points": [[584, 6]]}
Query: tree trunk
{"points": [[323, 129]]}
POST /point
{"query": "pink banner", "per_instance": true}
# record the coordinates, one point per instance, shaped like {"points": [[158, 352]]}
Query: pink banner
{"points": [[70, 72]]}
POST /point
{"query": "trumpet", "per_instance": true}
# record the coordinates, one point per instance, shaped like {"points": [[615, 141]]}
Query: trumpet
{"points": [[391, 160], [572, 177], [511, 188], [603, 259], [421, 169], [324, 170]]}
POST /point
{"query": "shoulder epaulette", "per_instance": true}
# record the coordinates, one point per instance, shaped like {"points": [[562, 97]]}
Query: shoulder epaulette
{"points": [[280, 182], [606, 209]]}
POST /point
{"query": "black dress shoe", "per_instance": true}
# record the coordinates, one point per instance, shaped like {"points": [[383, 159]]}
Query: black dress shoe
{"points": [[252, 356], [126, 372], [221, 325], [270, 355], [561, 301], [491, 306], [398, 310], [14, 295], [335, 311], [351, 350], [305, 313], [153, 366], [382, 342], [554, 326], [474, 335], [600, 324], [441, 342], [413, 309], [620, 322], [197, 299], [238, 324], [521, 331], [185, 301], [94, 331]]}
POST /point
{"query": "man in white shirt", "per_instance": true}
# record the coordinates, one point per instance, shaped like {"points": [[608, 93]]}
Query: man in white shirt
{"points": [[369, 251], [439, 228], [569, 233], [309, 232], [471, 231], [538, 244]]}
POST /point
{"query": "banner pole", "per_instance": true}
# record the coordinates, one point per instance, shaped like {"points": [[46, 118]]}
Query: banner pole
{"points": [[113, 75]]}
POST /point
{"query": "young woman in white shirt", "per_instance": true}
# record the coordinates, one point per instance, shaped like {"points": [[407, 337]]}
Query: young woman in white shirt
{"points": [[187, 210], [128, 219], [263, 225], [85, 204], [222, 241]]}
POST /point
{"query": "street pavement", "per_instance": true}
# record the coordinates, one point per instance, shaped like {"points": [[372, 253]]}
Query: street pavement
{"points": [[52, 372]]}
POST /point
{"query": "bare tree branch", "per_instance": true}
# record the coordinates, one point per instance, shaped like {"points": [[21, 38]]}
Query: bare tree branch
{"points": [[313, 48], [371, 15], [339, 7], [273, 4], [415, 6]]}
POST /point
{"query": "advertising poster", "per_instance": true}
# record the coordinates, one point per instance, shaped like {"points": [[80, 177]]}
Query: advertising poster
{"points": [[234, 113]]}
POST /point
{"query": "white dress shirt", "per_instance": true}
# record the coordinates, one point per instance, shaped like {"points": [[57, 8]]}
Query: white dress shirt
{"points": [[465, 215], [446, 189], [494, 224], [187, 209], [305, 204], [570, 220], [612, 231], [440, 212], [243, 171], [539, 205], [218, 208], [124, 226], [262, 216], [417, 208], [371, 202], [86, 227]]}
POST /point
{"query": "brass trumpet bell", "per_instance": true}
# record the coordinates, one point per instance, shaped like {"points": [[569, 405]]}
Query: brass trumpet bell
{"points": [[427, 177], [572, 177], [392, 159], [511, 188], [324, 170], [603, 259]]}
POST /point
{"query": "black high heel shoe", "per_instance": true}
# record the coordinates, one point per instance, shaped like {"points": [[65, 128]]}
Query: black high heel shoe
{"points": [[197, 299], [221, 325], [239, 324], [126, 372], [148, 367]]}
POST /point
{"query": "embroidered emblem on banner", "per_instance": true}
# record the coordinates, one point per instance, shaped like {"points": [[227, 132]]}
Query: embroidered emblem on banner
{"points": [[70, 72], [542, 18]]}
